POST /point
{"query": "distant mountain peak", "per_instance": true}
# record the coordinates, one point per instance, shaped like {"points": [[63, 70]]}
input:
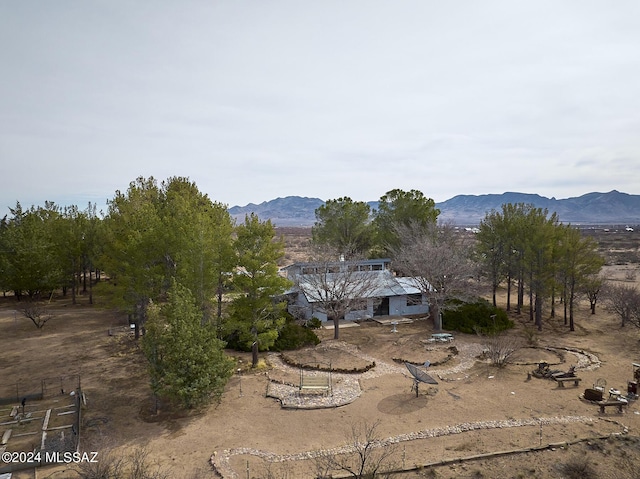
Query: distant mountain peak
{"points": [[613, 207], [287, 211]]}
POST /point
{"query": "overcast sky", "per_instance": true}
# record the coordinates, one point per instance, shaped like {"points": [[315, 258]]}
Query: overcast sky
{"points": [[254, 100]]}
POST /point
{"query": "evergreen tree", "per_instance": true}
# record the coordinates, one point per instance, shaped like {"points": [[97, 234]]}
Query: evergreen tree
{"points": [[187, 363], [344, 225], [398, 208], [31, 261], [200, 234], [256, 316], [156, 233], [579, 262], [538, 259], [526, 244], [136, 254], [491, 254], [70, 228]]}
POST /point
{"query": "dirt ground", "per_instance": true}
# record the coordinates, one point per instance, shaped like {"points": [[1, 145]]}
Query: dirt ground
{"points": [[474, 409]]}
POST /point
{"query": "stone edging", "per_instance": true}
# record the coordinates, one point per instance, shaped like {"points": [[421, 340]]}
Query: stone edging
{"points": [[221, 461]]}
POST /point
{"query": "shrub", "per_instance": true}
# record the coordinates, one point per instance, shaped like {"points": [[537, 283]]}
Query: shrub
{"points": [[479, 317], [578, 468], [314, 323], [500, 348], [530, 336], [294, 336]]}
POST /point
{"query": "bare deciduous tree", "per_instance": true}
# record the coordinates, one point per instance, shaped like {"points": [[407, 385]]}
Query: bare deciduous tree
{"points": [[624, 301], [364, 457], [592, 287], [37, 313], [439, 260], [337, 288]]}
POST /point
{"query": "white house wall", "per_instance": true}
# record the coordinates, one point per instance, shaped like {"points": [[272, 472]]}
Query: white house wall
{"points": [[397, 307], [306, 308], [416, 309]]}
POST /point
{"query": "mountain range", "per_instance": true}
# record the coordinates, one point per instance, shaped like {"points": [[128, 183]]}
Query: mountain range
{"points": [[609, 208]]}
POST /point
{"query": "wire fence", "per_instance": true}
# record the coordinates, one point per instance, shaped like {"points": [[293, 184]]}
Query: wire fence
{"points": [[37, 389], [55, 439]]}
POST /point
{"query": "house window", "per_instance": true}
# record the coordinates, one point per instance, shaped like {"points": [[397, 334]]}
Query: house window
{"points": [[414, 298]]}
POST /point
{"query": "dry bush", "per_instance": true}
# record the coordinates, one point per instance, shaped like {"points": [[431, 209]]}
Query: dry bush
{"points": [[277, 471], [530, 336], [500, 348], [365, 456], [37, 313], [578, 468], [113, 465]]}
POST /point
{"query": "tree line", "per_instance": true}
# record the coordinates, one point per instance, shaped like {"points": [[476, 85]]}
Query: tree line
{"points": [[521, 247], [540, 257], [195, 281], [170, 253]]}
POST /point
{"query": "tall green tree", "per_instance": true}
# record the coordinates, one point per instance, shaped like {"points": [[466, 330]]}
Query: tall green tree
{"points": [[31, 260], [345, 226], [70, 227], [222, 256], [92, 246], [256, 317], [187, 363], [538, 259], [528, 245], [578, 264], [199, 233], [136, 255], [500, 248], [157, 233], [517, 244], [398, 208], [5, 251], [491, 254], [78, 243], [513, 220]]}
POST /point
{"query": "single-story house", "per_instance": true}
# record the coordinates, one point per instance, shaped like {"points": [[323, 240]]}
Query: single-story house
{"points": [[369, 286]]}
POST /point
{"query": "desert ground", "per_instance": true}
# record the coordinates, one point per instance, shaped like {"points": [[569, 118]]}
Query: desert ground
{"points": [[475, 409]]}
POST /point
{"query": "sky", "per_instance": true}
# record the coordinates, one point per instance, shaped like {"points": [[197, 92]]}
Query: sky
{"points": [[255, 100]]}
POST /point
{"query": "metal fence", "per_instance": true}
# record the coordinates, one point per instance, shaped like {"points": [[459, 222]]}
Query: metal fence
{"points": [[56, 440], [34, 389]]}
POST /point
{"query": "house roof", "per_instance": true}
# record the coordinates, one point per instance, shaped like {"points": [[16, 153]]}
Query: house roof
{"points": [[382, 284], [347, 262]]}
